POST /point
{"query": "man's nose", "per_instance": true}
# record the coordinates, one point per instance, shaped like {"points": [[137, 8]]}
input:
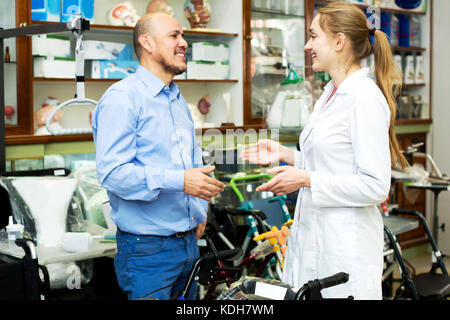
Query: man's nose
{"points": [[183, 43]]}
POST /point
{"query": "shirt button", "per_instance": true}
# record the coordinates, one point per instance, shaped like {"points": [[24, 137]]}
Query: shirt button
{"points": [[192, 218]]}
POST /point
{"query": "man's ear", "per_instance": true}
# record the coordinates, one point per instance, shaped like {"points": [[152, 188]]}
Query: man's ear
{"points": [[146, 42], [340, 41]]}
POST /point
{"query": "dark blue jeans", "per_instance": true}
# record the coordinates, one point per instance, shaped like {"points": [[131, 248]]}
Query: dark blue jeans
{"points": [[147, 263]]}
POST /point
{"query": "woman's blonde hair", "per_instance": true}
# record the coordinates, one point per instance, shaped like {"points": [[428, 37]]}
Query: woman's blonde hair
{"points": [[346, 18]]}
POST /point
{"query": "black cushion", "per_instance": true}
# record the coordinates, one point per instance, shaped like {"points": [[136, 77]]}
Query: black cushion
{"points": [[432, 286]]}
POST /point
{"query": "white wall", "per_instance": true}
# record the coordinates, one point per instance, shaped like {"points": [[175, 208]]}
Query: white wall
{"points": [[441, 109]]}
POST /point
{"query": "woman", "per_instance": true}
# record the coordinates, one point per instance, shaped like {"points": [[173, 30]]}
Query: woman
{"points": [[344, 167]]}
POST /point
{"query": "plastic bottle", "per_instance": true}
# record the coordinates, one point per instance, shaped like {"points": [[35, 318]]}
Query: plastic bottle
{"points": [[415, 31], [386, 25], [395, 31], [15, 231], [405, 31]]}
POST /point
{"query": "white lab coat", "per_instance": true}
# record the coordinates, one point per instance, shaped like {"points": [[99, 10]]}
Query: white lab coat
{"points": [[337, 226]]}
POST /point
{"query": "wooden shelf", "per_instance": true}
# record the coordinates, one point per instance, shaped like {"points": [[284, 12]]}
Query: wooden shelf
{"points": [[125, 29], [32, 139], [413, 85], [401, 122], [365, 6], [116, 80], [414, 49]]}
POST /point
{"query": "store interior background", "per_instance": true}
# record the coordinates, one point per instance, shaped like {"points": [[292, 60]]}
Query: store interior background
{"points": [[438, 144], [440, 130]]}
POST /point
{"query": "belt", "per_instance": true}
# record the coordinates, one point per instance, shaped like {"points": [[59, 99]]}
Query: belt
{"points": [[181, 234], [175, 235]]}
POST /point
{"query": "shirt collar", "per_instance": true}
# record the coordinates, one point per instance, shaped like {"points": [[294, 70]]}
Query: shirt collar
{"points": [[155, 84], [350, 81]]}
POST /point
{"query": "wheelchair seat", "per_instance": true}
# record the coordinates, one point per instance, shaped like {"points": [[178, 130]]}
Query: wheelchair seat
{"points": [[432, 286]]}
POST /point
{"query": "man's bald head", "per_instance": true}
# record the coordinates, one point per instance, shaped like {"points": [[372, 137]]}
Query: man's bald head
{"points": [[150, 23]]}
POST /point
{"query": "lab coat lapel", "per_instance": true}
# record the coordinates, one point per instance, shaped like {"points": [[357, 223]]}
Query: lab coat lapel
{"points": [[313, 119]]}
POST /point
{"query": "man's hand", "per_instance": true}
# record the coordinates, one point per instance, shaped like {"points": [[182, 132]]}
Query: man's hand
{"points": [[198, 184], [200, 229]]}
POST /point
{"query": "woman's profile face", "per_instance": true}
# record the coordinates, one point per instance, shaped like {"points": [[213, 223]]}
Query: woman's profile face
{"points": [[320, 46]]}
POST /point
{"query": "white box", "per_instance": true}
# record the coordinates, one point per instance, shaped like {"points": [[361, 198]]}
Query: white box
{"points": [[210, 51], [104, 50], [51, 45], [207, 70], [113, 69], [54, 67]]}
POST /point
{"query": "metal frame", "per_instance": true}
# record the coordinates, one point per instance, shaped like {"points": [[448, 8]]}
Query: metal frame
{"points": [[76, 25]]}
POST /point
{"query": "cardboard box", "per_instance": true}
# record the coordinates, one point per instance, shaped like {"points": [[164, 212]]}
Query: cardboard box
{"points": [[61, 10], [50, 45], [54, 67], [104, 50], [113, 69], [73, 8], [208, 70], [46, 10], [210, 51]]}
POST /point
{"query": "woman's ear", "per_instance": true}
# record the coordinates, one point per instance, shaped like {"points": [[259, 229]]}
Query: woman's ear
{"points": [[340, 41], [146, 42]]}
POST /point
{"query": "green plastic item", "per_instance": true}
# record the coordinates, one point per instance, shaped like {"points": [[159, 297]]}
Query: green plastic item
{"points": [[292, 78], [244, 178]]}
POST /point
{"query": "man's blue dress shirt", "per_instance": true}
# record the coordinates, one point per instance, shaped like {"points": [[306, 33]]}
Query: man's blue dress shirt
{"points": [[144, 138]]}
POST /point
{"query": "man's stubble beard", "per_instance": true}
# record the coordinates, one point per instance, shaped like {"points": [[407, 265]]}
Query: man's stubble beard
{"points": [[171, 69]]}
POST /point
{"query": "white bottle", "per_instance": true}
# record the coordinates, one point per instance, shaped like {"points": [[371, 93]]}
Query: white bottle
{"points": [[394, 31], [419, 77], [15, 231], [409, 75]]}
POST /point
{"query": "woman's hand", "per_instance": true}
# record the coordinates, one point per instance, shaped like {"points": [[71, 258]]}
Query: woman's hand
{"points": [[265, 152], [288, 179]]}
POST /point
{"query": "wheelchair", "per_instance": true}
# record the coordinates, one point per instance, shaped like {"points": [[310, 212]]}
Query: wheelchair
{"points": [[19, 278], [432, 285]]}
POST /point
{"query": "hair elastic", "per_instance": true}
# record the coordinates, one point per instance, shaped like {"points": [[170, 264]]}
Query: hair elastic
{"points": [[372, 34]]}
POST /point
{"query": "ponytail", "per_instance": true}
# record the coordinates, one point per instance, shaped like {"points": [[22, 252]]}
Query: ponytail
{"points": [[346, 18], [388, 77]]}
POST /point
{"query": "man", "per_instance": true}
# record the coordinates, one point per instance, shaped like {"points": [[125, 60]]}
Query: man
{"points": [[150, 163]]}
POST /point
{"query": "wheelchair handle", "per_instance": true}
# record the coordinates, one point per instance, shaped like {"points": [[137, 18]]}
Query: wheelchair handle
{"points": [[221, 255], [28, 246], [334, 280]]}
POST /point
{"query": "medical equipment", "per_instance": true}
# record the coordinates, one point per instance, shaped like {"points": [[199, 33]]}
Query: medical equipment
{"points": [[289, 109], [412, 151], [263, 289], [19, 278], [430, 285], [277, 239], [271, 207], [80, 99], [123, 14]]}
